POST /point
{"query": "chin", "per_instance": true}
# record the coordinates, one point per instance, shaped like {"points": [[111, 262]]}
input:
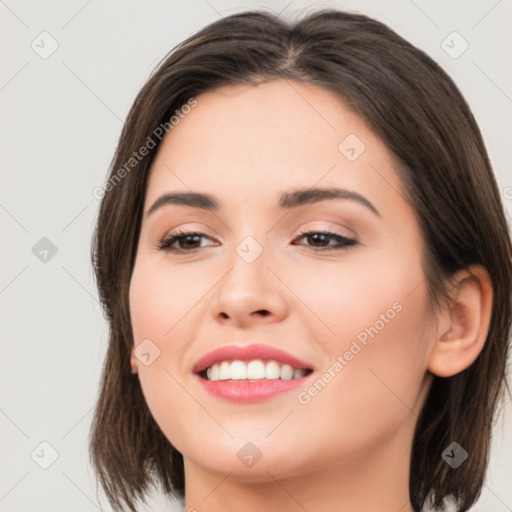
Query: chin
{"points": [[249, 461]]}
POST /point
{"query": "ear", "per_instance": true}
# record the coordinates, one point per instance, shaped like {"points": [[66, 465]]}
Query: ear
{"points": [[133, 360], [464, 323]]}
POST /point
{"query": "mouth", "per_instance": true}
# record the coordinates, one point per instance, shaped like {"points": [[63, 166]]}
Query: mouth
{"points": [[256, 369], [250, 373]]}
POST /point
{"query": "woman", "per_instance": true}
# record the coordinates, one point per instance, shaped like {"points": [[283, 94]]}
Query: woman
{"points": [[306, 268]]}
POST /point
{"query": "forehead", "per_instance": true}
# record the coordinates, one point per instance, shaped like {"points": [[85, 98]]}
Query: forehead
{"points": [[248, 142]]}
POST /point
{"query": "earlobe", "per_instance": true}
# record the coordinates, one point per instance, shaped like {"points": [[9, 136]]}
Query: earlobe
{"points": [[133, 361], [466, 323]]}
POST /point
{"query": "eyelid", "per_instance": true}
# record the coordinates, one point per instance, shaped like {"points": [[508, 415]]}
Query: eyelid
{"points": [[317, 225], [330, 226], [190, 227]]}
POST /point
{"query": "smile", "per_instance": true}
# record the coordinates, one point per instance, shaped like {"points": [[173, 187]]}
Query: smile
{"points": [[257, 369], [250, 373]]}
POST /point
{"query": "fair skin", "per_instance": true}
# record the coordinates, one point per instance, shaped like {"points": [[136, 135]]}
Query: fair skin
{"points": [[348, 448]]}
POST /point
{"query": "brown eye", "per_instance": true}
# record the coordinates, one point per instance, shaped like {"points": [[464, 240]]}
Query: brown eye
{"points": [[321, 237], [187, 241]]}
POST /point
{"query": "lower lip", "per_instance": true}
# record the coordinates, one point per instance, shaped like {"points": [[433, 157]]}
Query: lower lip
{"points": [[248, 391]]}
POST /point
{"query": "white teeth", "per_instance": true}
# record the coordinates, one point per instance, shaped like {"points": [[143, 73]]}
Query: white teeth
{"points": [[256, 369], [238, 370], [272, 371], [286, 372], [298, 373], [225, 372]]}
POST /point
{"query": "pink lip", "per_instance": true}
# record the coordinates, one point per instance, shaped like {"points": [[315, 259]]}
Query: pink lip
{"points": [[247, 353], [247, 391]]}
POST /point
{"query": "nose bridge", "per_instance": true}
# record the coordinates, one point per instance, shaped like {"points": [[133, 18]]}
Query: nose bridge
{"points": [[248, 276]]}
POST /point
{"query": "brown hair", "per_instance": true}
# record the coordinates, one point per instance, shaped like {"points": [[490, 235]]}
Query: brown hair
{"points": [[420, 114]]}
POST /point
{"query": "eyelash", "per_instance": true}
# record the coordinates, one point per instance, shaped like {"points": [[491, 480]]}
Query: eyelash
{"points": [[165, 244]]}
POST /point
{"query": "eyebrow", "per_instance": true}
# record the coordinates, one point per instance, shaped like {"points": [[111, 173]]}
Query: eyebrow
{"points": [[287, 200]]}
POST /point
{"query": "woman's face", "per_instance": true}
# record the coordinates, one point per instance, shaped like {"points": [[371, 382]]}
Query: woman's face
{"points": [[354, 313]]}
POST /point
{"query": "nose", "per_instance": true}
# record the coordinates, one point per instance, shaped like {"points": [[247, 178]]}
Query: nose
{"points": [[250, 293]]}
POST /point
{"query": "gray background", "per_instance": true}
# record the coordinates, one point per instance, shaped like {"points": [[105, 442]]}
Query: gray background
{"points": [[61, 117]]}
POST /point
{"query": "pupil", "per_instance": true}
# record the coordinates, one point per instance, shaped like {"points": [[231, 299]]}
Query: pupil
{"points": [[187, 238], [316, 235]]}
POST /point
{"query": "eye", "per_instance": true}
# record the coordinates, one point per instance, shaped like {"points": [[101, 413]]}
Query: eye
{"points": [[321, 236], [186, 240]]}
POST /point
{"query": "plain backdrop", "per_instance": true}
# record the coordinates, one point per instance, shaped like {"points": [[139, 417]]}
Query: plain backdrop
{"points": [[69, 73]]}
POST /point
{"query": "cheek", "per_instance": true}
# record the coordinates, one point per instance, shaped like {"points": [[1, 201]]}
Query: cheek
{"points": [[359, 295], [377, 359], [160, 299], [159, 302], [373, 329]]}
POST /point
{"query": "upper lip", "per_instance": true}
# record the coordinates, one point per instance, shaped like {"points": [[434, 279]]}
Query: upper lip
{"points": [[248, 353]]}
